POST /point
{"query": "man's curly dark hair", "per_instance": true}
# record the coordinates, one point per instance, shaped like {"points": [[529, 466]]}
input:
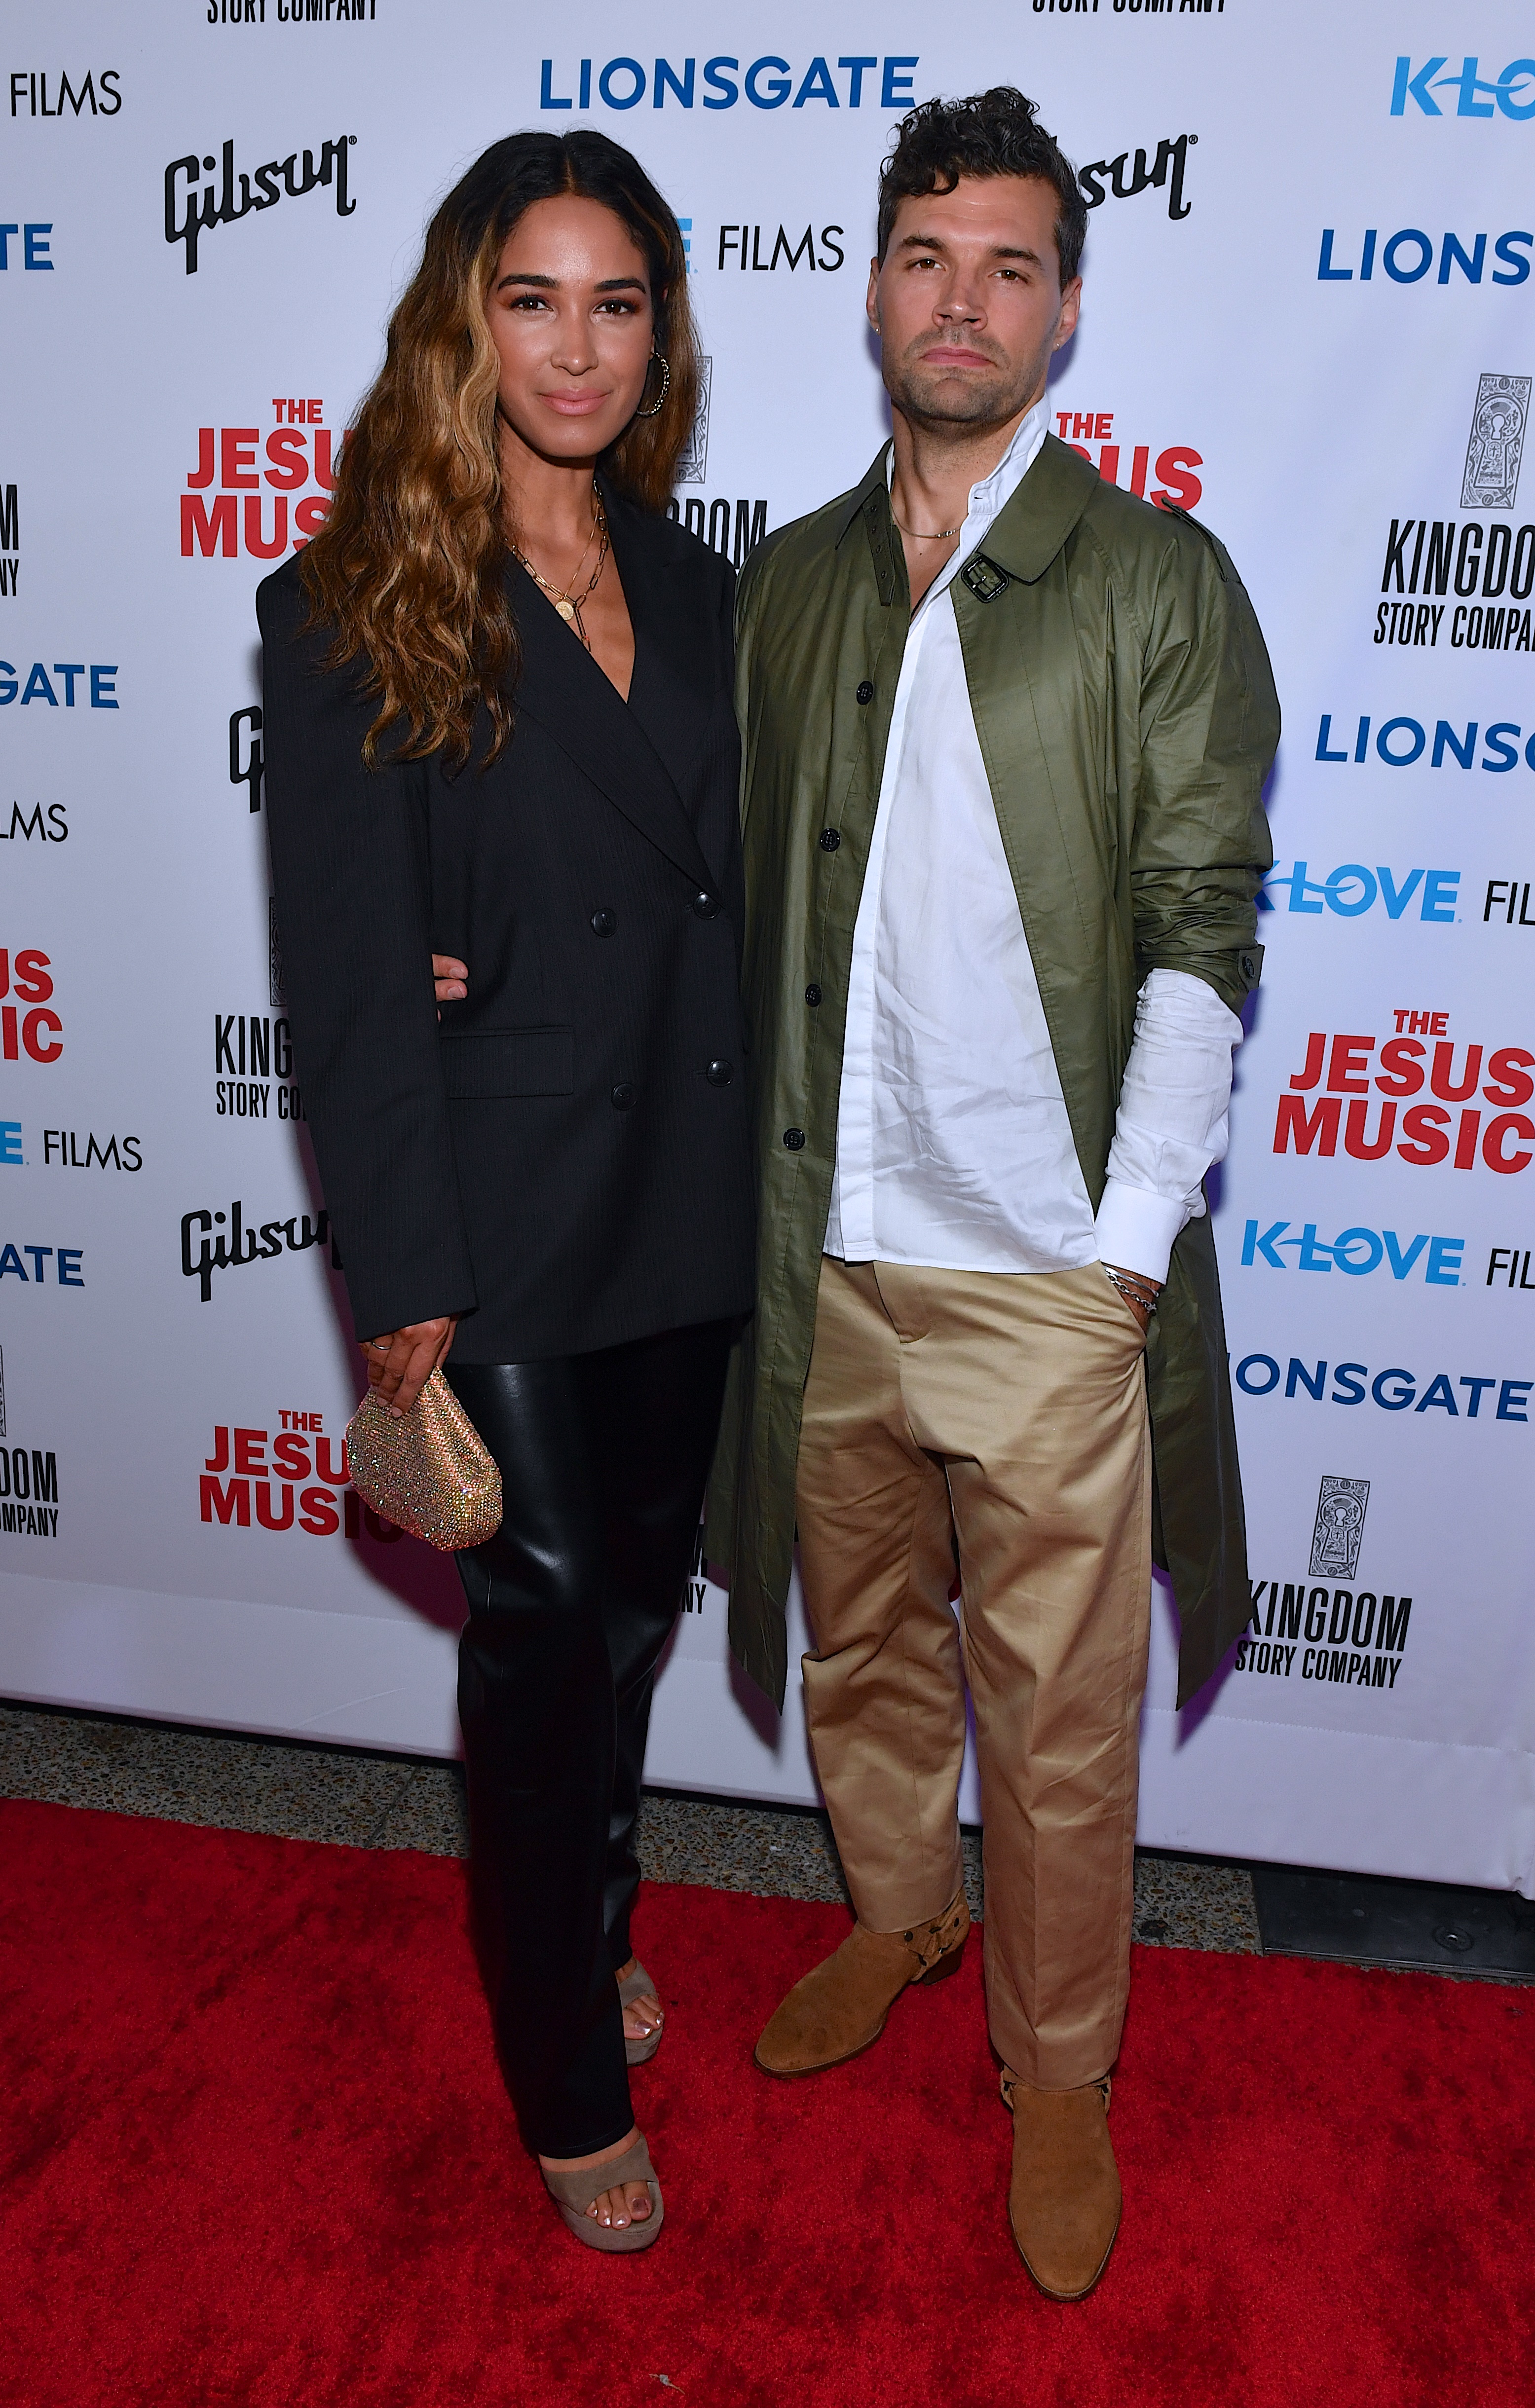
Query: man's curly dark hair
{"points": [[995, 133]]}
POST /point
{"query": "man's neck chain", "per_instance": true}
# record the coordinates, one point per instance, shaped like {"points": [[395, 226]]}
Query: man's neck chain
{"points": [[938, 535]]}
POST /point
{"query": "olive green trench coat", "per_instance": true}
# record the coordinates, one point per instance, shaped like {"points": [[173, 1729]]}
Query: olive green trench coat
{"points": [[1127, 719]]}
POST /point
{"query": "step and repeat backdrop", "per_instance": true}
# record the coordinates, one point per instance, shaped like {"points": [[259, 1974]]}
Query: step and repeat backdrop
{"points": [[1308, 318]]}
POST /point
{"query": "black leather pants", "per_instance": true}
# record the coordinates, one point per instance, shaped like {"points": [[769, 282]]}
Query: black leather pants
{"points": [[603, 1459]]}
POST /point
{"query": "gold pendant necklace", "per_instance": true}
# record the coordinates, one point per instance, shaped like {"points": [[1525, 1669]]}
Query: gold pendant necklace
{"points": [[566, 601]]}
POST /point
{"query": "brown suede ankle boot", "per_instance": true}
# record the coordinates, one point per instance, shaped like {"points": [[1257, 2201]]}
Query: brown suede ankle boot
{"points": [[841, 2005], [1065, 2200]]}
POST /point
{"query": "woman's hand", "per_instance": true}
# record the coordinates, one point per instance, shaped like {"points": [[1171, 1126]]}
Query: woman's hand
{"points": [[450, 978], [401, 1365]]}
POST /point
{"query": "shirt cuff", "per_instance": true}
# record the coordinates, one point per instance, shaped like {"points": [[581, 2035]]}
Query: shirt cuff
{"points": [[1136, 1229]]}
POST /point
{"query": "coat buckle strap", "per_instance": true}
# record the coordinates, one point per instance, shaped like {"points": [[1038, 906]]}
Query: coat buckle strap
{"points": [[985, 579]]}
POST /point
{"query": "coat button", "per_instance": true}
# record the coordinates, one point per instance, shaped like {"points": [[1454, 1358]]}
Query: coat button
{"points": [[623, 1096], [704, 905], [866, 691], [719, 1074], [829, 839], [813, 995], [794, 1140], [604, 923]]}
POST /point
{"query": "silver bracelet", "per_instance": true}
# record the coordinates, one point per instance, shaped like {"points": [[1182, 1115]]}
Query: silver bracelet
{"points": [[1132, 1291]]}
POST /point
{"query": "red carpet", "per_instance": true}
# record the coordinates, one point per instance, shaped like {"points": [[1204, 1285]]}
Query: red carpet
{"points": [[255, 2152]]}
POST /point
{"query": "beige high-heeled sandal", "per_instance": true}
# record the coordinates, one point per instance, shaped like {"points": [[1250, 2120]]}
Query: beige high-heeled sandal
{"points": [[640, 1985], [573, 2194]]}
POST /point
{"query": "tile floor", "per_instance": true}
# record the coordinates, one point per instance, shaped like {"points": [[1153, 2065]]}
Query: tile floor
{"points": [[363, 1800]]}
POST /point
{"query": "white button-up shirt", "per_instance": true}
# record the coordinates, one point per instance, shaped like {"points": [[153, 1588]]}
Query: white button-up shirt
{"points": [[953, 1148]]}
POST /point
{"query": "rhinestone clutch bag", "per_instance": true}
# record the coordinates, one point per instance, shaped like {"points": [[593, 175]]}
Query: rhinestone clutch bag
{"points": [[428, 1470]]}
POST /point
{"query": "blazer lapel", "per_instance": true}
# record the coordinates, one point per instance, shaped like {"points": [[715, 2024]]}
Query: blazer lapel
{"points": [[675, 687], [576, 705]]}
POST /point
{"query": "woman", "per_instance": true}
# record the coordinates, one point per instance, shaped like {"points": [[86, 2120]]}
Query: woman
{"points": [[500, 729]]}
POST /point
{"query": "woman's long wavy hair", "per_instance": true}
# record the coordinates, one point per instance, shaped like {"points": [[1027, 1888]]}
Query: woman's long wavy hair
{"points": [[410, 567]]}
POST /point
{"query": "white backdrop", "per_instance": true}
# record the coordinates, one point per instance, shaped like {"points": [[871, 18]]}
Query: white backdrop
{"points": [[1308, 317]]}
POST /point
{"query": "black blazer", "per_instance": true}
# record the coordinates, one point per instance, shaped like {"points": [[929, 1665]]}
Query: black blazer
{"points": [[565, 1159]]}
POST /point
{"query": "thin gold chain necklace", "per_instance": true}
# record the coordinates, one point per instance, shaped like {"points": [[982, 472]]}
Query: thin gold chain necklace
{"points": [[937, 537], [565, 599]]}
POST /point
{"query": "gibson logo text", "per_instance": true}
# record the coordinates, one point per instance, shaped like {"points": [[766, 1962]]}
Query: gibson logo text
{"points": [[235, 1245], [191, 211]]}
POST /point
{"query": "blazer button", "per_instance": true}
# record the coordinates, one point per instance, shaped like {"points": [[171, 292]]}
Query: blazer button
{"points": [[623, 1096], [794, 1140], [829, 839], [813, 995], [719, 1074], [866, 691], [604, 923], [704, 905]]}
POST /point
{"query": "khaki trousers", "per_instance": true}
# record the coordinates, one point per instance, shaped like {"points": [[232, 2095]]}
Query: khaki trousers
{"points": [[997, 1426]]}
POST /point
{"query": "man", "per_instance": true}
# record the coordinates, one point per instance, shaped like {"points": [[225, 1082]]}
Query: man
{"points": [[1006, 732]]}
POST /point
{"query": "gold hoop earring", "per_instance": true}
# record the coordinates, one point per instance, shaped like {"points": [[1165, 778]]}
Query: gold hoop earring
{"points": [[659, 403]]}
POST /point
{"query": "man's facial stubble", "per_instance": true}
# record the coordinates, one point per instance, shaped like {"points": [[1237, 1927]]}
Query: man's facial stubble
{"points": [[939, 398]]}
